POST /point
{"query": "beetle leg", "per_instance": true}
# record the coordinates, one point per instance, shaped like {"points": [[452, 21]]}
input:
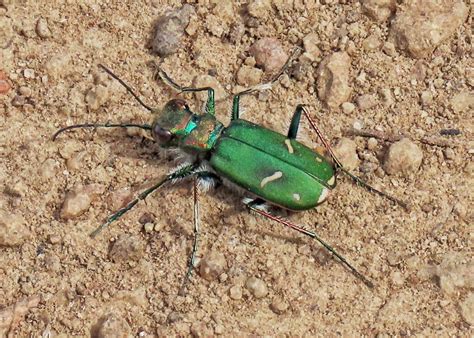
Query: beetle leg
{"points": [[180, 173], [340, 167], [196, 236], [251, 206], [295, 122], [210, 103], [258, 88]]}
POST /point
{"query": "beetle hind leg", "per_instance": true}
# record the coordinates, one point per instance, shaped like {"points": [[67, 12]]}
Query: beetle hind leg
{"points": [[251, 206]]}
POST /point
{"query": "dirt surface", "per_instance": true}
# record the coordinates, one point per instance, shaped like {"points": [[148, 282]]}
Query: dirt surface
{"points": [[259, 278]]}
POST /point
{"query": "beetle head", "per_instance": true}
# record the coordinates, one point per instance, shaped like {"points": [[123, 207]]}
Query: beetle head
{"points": [[170, 124]]}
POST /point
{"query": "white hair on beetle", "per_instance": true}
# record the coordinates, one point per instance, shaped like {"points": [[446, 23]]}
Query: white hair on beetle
{"points": [[265, 207]]}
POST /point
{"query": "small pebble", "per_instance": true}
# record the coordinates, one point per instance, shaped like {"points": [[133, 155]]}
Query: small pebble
{"points": [[148, 227], [42, 28], [25, 91], [174, 316], [259, 8], [19, 101], [69, 148], [463, 101], [403, 157], [345, 151], [75, 161], [379, 10], [348, 107], [235, 292], [212, 266], [4, 85], [96, 97], [48, 168], [372, 43], [372, 143], [449, 153], [397, 278], [169, 30], [29, 73], [219, 329], [52, 262], [269, 54], [250, 61], [279, 306], [54, 239], [249, 76], [257, 287], [387, 97], [366, 101], [467, 309], [310, 42], [113, 326], [158, 227], [333, 83], [127, 248], [358, 124], [13, 229], [426, 98], [79, 199]]}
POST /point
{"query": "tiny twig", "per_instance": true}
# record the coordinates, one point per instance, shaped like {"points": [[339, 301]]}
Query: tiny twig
{"points": [[430, 140]]}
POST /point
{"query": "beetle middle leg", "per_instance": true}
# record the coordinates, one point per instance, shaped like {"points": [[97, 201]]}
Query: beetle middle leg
{"points": [[253, 206]]}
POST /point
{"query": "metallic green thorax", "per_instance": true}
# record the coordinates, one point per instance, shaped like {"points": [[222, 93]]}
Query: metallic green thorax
{"points": [[282, 171], [191, 132]]}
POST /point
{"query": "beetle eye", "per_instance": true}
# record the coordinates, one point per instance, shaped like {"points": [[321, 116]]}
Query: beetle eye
{"points": [[161, 135]]}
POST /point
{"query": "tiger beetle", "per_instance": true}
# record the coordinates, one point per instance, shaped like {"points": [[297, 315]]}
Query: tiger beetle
{"points": [[276, 170]]}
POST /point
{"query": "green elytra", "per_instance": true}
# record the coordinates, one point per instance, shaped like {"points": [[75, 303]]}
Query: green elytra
{"points": [[273, 168]]}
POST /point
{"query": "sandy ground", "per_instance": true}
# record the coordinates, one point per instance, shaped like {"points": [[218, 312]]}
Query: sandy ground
{"points": [[125, 281]]}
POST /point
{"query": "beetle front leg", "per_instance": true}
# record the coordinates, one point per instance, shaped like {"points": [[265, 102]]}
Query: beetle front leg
{"points": [[210, 103], [180, 173]]}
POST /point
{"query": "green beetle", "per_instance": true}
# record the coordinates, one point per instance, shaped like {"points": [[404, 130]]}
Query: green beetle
{"points": [[274, 169]]}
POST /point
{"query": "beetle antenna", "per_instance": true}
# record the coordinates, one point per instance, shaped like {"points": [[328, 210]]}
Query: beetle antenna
{"points": [[129, 89], [101, 125], [340, 167]]}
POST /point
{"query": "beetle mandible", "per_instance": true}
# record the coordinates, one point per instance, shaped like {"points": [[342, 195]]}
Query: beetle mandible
{"points": [[274, 169]]}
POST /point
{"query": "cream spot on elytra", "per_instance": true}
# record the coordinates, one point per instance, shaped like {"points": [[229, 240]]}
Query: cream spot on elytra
{"points": [[288, 144], [324, 195], [296, 197], [318, 159], [332, 180], [275, 176]]}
